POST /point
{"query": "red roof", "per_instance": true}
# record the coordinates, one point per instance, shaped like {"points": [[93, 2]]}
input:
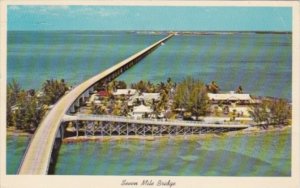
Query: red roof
{"points": [[103, 93]]}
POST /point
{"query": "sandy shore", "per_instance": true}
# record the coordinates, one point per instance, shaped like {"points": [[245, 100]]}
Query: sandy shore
{"points": [[14, 132]]}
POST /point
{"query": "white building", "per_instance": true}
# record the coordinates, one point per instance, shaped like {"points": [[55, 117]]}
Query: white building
{"points": [[234, 102], [147, 97], [129, 92], [139, 111], [230, 97]]}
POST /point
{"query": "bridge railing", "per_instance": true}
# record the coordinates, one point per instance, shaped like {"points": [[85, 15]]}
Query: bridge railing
{"points": [[149, 120]]}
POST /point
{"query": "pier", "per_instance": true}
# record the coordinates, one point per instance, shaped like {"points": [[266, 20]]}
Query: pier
{"points": [[108, 125]]}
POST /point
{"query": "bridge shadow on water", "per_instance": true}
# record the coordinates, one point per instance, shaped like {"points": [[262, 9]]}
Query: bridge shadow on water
{"points": [[54, 156]]}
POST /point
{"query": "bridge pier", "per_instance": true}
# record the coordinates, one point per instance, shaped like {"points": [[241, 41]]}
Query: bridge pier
{"points": [[77, 128], [62, 127], [55, 150], [109, 128], [127, 130], [72, 109], [89, 128], [91, 89], [77, 103], [86, 94]]}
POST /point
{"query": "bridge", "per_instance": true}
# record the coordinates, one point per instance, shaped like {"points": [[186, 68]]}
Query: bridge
{"points": [[44, 145], [41, 154], [108, 125]]}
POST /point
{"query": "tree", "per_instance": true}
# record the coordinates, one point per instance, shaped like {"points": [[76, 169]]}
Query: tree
{"points": [[13, 92], [191, 94], [161, 87], [53, 90], [27, 112], [121, 85], [169, 80], [200, 100], [95, 109], [24, 109], [116, 110], [276, 112], [260, 114], [280, 111], [239, 90], [213, 87], [34, 112]]}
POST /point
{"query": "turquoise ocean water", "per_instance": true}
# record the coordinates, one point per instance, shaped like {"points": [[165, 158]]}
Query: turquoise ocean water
{"points": [[16, 146], [260, 155], [261, 63]]}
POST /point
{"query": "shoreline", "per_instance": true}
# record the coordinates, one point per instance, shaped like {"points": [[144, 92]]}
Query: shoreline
{"points": [[14, 132], [251, 131]]}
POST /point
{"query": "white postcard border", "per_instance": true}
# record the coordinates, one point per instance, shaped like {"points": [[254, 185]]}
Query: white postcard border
{"points": [[12, 181]]}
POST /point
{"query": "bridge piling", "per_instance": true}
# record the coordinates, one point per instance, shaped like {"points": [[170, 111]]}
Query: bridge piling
{"points": [[72, 109], [77, 128], [62, 127], [127, 130], [56, 146], [77, 103]]}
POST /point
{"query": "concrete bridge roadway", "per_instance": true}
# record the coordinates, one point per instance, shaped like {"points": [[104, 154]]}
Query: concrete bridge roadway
{"points": [[38, 154]]}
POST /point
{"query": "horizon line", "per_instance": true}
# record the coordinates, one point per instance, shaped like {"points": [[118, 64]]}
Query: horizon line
{"points": [[137, 30]]}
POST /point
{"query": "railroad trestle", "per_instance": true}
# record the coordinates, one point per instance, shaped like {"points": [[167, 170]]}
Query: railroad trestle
{"points": [[108, 128]]}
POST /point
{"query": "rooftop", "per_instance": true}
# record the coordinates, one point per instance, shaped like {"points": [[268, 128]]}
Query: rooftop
{"points": [[229, 96], [125, 92]]}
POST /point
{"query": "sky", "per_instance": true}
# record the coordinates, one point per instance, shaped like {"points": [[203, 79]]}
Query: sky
{"points": [[149, 18]]}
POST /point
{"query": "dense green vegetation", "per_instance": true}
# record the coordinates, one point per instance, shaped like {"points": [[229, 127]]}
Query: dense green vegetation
{"points": [[53, 90], [191, 95], [117, 105], [275, 112], [25, 109]]}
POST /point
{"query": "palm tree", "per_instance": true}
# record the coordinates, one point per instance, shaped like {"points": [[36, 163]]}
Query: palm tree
{"points": [[13, 91], [121, 85], [213, 87], [239, 90], [169, 80], [34, 113], [54, 90]]}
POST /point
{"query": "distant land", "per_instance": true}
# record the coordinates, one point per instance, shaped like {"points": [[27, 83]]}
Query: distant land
{"points": [[154, 32], [211, 32]]}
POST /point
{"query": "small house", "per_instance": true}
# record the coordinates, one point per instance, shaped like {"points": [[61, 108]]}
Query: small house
{"points": [[126, 92], [230, 98], [139, 111]]}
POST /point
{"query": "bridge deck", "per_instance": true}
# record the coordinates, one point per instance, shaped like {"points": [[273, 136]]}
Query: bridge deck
{"points": [[38, 153], [109, 118]]}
